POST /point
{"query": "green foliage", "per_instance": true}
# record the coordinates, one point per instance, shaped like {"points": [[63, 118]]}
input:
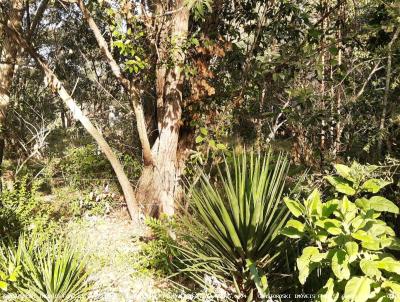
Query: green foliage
{"points": [[54, 272], [209, 148], [21, 209], [87, 165], [132, 166], [348, 238], [159, 254], [10, 264], [355, 179], [84, 162], [47, 271], [205, 137], [234, 221], [199, 7], [132, 52]]}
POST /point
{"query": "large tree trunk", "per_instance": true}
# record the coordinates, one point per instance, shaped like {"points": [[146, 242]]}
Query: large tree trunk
{"points": [[159, 184], [7, 64]]}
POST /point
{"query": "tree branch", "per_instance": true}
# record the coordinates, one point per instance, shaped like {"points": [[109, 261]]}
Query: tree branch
{"points": [[128, 85], [38, 16]]}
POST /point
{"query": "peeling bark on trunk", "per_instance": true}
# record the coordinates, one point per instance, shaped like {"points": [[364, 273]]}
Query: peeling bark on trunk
{"points": [[161, 70], [159, 183], [7, 65]]}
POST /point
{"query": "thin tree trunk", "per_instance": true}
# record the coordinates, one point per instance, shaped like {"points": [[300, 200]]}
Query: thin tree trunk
{"points": [[339, 129], [322, 90], [98, 137], [387, 91], [58, 88], [7, 65]]}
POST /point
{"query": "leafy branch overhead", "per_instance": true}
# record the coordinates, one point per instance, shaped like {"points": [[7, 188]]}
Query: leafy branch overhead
{"points": [[200, 7]]}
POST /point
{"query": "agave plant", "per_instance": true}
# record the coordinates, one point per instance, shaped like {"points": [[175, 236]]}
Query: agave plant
{"points": [[10, 262], [53, 272], [233, 225]]}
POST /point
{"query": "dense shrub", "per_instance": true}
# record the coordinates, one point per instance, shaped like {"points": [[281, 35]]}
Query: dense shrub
{"points": [[82, 163], [86, 165], [21, 209], [160, 253]]}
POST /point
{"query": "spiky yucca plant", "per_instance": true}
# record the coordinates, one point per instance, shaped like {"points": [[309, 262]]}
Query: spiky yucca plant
{"points": [[53, 272], [232, 227]]}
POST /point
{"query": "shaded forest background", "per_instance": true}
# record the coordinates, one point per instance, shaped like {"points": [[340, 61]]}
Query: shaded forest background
{"points": [[318, 79]]}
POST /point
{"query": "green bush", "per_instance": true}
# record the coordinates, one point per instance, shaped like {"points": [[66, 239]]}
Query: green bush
{"points": [[87, 166], [10, 264], [82, 163], [231, 230], [349, 245], [160, 253], [20, 209]]}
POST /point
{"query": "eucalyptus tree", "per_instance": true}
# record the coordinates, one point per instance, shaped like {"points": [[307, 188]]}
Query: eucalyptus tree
{"points": [[161, 171], [161, 165]]}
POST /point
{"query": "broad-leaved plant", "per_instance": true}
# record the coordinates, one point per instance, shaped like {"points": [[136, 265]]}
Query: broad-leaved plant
{"points": [[348, 238]]}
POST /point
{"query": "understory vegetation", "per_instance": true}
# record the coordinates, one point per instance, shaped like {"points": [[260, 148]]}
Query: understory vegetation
{"points": [[245, 232], [199, 150]]}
